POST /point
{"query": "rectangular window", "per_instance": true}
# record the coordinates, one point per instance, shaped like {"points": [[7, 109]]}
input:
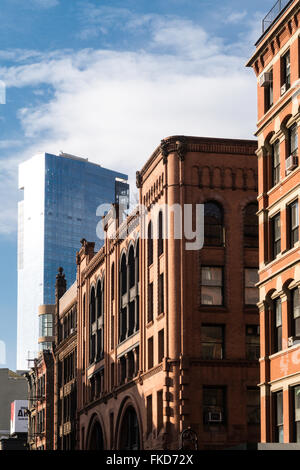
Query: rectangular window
{"points": [[252, 342], [275, 163], [286, 70], [161, 294], [296, 400], [275, 235], [150, 353], [253, 405], [150, 302], [251, 291], [293, 140], [214, 405], [160, 415], [161, 348], [295, 294], [277, 325], [293, 224], [149, 414], [211, 286], [212, 339], [269, 92], [278, 416]]}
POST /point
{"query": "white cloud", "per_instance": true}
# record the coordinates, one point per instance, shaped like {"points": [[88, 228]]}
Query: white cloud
{"points": [[235, 17], [115, 107]]}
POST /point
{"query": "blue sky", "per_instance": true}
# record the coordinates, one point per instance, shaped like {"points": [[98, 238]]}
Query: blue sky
{"points": [[108, 80]]}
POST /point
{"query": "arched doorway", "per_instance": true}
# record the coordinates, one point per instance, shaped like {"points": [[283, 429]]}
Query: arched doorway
{"points": [[96, 441], [129, 432]]}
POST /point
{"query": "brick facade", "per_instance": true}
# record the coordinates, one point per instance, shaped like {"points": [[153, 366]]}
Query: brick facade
{"points": [[165, 337], [276, 65]]}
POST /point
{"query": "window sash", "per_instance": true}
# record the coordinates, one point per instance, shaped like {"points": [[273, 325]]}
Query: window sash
{"points": [[276, 235], [293, 139]]}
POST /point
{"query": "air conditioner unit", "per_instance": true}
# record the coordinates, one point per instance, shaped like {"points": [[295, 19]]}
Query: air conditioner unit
{"points": [[71, 331], [293, 340], [283, 89], [214, 417], [265, 79], [291, 163]]}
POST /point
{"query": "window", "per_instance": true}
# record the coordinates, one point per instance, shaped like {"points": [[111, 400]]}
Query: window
{"points": [[149, 415], [161, 297], [161, 349], [131, 263], [277, 326], [150, 353], [292, 224], [251, 225], [212, 339], [253, 405], [160, 416], [150, 244], [112, 281], [252, 342], [92, 326], [160, 243], [278, 416], [214, 405], [295, 301], [275, 163], [213, 224], [296, 400], [286, 70], [269, 92], [251, 291], [293, 140], [211, 286], [46, 325], [150, 302], [275, 236]]}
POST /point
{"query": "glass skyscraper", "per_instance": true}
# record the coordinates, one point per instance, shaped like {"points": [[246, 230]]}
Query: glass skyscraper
{"points": [[59, 208]]}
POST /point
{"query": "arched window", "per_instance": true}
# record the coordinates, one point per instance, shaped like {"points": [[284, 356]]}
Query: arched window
{"points": [[150, 244], [123, 327], [131, 263], [213, 224], [137, 260], [113, 281], [123, 277], [92, 306], [251, 225], [160, 243], [130, 434], [92, 329], [99, 300]]}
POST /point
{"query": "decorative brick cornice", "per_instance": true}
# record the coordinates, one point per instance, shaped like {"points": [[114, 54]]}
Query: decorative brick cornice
{"points": [[183, 144]]}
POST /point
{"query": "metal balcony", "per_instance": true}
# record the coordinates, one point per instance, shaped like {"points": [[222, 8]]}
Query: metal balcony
{"points": [[274, 13]]}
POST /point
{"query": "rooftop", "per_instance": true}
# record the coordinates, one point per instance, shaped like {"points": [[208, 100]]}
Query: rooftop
{"points": [[273, 15]]}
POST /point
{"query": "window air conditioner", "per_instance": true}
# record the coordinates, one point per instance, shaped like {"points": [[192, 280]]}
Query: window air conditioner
{"points": [[293, 340], [291, 163], [283, 89], [265, 79], [214, 417]]}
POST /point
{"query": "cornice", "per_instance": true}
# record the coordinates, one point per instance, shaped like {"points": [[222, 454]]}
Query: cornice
{"points": [[181, 145]]}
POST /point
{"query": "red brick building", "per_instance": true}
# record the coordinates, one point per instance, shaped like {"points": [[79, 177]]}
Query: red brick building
{"points": [[65, 365], [276, 65], [168, 336], [40, 401]]}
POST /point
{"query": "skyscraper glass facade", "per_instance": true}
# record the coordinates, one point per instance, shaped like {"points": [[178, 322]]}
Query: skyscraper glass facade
{"points": [[61, 197]]}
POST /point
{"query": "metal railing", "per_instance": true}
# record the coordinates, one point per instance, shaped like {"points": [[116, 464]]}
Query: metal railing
{"points": [[273, 13]]}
